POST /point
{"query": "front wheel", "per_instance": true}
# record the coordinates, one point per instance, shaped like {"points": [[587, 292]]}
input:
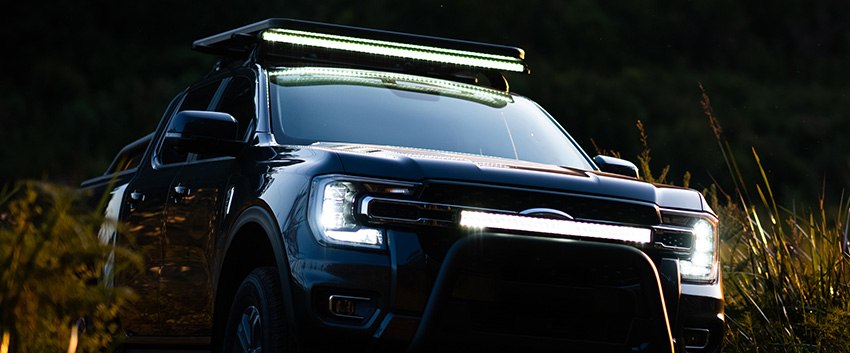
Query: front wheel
{"points": [[256, 322]]}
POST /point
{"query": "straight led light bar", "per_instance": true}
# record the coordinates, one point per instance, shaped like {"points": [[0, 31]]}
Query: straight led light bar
{"points": [[554, 226], [394, 49]]}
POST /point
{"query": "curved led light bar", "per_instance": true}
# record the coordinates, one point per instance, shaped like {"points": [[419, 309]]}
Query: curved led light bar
{"points": [[398, 81], [394, 49], [554, 226]]}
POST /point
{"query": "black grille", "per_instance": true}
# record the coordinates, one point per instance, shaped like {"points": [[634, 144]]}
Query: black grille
{"points": [[674, 239], [511, 199], [394, 210]]}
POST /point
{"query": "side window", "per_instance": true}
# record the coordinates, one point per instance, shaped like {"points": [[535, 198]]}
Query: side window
{"points": [[196, 99], [130, 156], [129, 161], [238, 101], [200, 98]]}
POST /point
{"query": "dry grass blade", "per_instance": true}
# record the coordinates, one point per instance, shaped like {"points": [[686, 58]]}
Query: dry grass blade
{"points": [[795, 296]]}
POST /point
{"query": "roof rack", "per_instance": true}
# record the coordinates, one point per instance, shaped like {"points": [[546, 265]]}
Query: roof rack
{"points": [[282, 40]]}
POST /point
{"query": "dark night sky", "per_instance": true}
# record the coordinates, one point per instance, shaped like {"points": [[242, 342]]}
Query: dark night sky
{"points": [[84, 78]]}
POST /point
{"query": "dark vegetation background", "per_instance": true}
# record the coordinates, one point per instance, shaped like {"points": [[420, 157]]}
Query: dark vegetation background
{"points": [[83, 78]]}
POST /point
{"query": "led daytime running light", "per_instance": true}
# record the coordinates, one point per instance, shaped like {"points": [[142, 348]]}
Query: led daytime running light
{"points": [[365, 236], [554, 226], [401, 50]]}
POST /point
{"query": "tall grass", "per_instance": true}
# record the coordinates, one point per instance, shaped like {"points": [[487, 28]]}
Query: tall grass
{"points": [[53, 296], [785, 270]]}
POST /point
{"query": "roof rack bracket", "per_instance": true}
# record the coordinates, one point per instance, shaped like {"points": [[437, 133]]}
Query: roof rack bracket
{"points": [[288, 41], [497, 80]]}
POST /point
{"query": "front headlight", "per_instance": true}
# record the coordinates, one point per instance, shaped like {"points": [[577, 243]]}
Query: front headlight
{"points": [[702, 267], [332, 211]]}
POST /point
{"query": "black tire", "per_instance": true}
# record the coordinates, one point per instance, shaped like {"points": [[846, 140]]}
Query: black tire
{"points": [[256, 322]]}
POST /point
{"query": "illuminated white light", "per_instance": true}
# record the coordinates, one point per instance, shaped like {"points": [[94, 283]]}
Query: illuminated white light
{"points": [[382, 77], [554, 226], [361, 236], [401, 50], [701, 265], [334, 218], [333, 206]]}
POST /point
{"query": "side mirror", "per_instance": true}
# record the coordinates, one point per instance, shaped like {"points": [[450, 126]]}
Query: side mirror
{"points": [[202, 132], [616, 166]]}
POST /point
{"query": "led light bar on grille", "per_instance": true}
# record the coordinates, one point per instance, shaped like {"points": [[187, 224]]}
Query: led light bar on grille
{"points": [[554, 226], [394, 49]]}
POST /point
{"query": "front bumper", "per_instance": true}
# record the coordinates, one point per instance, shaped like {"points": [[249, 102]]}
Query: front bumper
{"points": [[500, 292], [509, 292]]}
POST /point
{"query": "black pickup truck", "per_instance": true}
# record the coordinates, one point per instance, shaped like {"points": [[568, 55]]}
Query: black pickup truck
{"points": [[332, 188]]}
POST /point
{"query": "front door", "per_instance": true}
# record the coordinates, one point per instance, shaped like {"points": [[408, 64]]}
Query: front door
{"points": [[144, 204], [198, 198]]}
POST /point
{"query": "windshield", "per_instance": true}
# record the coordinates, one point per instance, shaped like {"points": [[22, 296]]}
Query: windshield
{"points": [[367, 107]]}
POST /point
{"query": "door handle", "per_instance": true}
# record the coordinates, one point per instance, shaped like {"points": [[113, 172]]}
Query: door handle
{"points": [[136, 196], [181, 191]]}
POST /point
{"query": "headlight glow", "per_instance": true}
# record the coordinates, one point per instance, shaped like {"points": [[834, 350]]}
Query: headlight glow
{"points": [[332, 216], [334, 205], [366, 236], [702, 265], [332, 213]]}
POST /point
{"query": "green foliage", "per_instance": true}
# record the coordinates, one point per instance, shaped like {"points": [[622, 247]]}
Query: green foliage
{"points": [[643, 161], [785, 273], [786, 276], [51, 268]]}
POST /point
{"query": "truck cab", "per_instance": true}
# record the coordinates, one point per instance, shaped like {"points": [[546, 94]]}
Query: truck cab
{"points": [[328, 187]]}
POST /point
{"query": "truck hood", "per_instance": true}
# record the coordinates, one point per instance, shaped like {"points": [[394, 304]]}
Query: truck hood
{"points": [[420, 164]]}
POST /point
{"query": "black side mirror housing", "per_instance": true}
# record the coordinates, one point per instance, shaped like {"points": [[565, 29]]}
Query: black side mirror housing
{"points": [[616, 166], [202, 132]]}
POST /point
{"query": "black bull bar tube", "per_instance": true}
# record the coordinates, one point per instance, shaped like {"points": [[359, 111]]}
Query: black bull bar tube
{"points": [[503, 292]]}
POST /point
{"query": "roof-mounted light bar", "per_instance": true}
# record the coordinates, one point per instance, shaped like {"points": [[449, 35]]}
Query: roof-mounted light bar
{"points": [[286, 41], [554, 226], [297, 76], [394, 49]]}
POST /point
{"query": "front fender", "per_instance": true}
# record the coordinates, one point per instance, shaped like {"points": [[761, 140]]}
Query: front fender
{"points": [[255, 231]]}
